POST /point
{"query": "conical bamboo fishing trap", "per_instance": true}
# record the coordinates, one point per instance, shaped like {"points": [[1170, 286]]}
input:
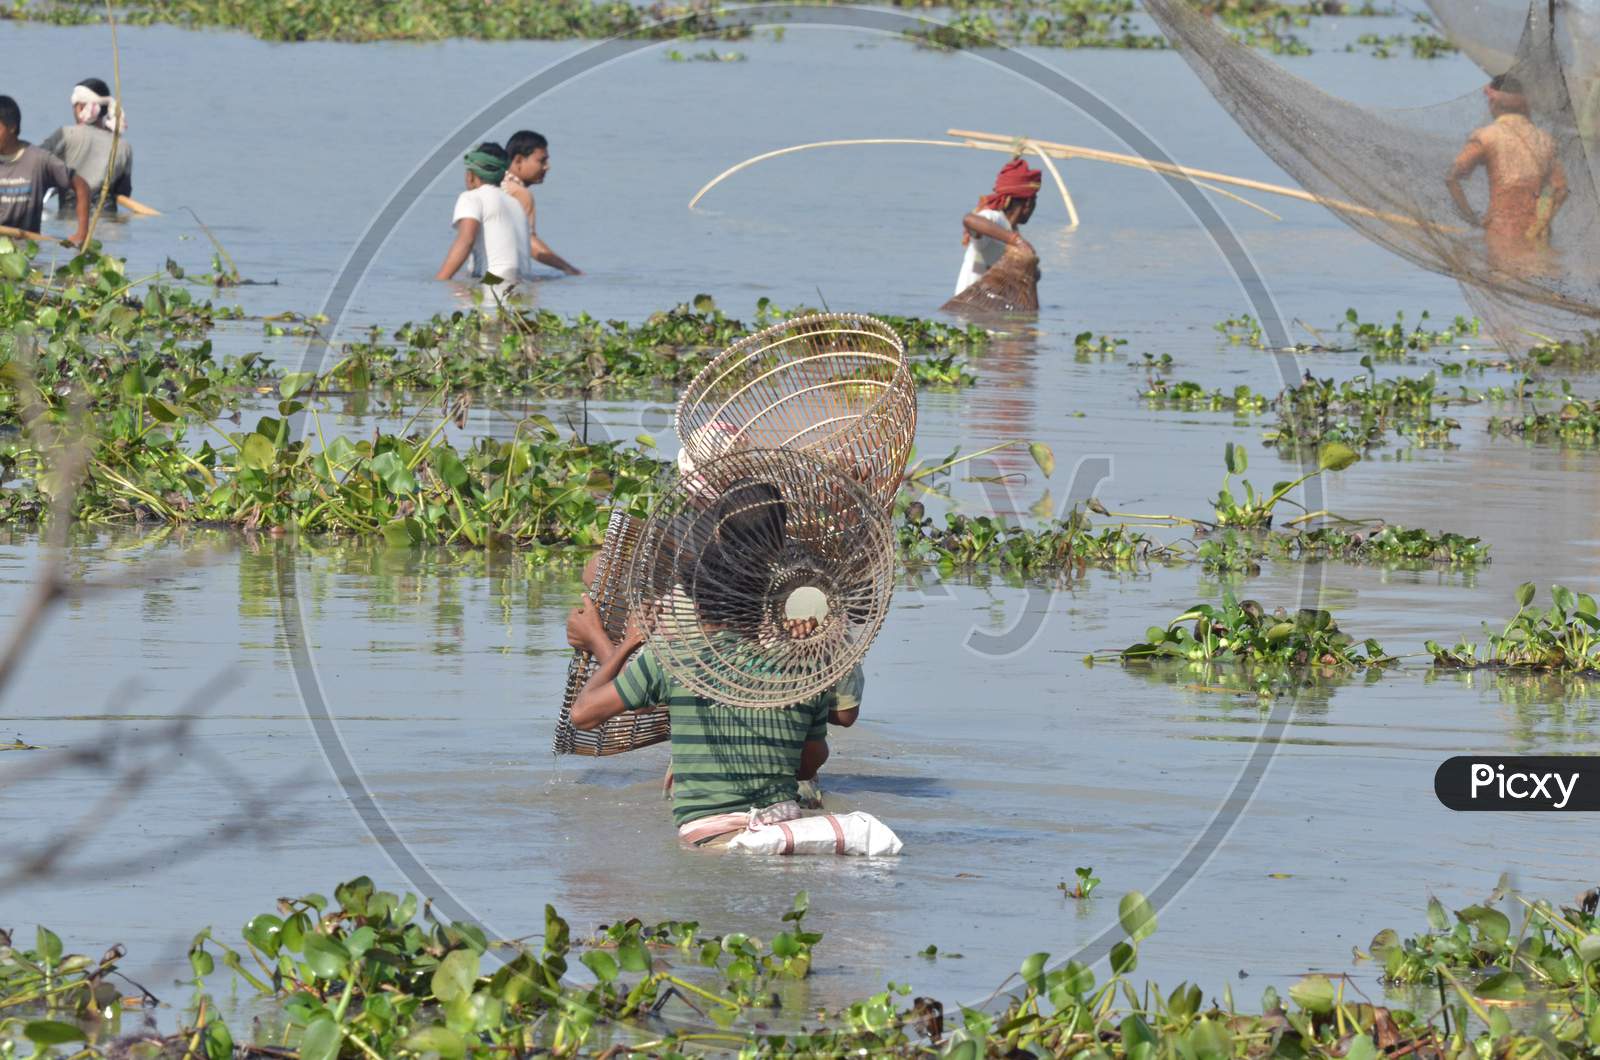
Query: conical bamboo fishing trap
{"points": [[632, 729], [1010, 285], [837, 385], [762, 577]]}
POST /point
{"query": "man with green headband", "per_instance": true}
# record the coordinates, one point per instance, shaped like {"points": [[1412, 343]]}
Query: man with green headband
{"points": [[490, 227]]}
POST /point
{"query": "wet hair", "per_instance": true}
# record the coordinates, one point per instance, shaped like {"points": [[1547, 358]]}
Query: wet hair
{"points": [[1507, 83], [97, 86], [736, 563], [525, 142], [10, 114]]}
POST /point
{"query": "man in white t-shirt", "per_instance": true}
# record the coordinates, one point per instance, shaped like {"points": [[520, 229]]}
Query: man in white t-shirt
{"points": [[490, 226], [988, 229]]}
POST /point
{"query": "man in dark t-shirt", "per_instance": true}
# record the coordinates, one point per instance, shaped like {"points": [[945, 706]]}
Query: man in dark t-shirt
{"points": [[27, 173]]}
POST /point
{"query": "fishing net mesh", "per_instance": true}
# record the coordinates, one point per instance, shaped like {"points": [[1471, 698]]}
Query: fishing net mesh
{"points": [[763, 577], [1523, 256], [837, 385]]}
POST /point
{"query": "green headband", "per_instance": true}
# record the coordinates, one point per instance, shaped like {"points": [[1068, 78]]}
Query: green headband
{"points": [[487, 167]]}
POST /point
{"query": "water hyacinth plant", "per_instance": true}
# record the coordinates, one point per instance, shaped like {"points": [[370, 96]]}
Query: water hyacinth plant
{"points": [[373, 974], [1256, 510], [1245, 632], [1565, 637]]}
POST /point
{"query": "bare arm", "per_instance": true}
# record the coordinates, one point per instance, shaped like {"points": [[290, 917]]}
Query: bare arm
{"points": [[812, 757], [1558, 194], [598, 701], [1471, 157], [982, 226], [844, 717], [544, 255], [80, 192], [460, 249]]}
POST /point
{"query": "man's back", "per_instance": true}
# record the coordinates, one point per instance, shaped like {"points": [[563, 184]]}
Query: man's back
{"points": [[727, 759], [502, 243], [1520, 159], [86, 149]]}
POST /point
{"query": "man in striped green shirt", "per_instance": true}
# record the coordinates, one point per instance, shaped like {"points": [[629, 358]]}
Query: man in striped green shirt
{"points": [[724, 759]]}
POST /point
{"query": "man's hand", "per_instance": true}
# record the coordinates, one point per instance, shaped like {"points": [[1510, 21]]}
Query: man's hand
{"points": [[584, 628]]}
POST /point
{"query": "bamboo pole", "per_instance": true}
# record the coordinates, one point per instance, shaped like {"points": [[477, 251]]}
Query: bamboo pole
{"points": [[1066, 196], [133, 205], [1061, 150], [37, 237], [1072, 210]]}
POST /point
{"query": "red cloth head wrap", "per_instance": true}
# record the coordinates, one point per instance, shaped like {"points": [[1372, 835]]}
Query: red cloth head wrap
{"points": [[1016, 181]]}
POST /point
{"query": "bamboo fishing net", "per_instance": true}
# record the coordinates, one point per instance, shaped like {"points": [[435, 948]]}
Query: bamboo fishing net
{"points": [[835, 384], [1010, 285], [1528, 267], [631, 729], [761, 578]]}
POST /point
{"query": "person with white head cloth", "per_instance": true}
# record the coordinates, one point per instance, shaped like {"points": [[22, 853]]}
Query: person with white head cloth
{"points": [[86, 145]]}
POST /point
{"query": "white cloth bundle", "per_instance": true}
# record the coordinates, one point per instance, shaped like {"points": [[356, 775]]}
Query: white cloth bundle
{"points": [[830, 833], [103, 110]]}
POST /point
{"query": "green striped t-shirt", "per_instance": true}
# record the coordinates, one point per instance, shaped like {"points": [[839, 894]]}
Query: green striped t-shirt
{"points": [[730, 759]]}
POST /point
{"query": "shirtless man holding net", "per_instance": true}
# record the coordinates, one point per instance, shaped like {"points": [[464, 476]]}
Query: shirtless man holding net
{"points": [[1527, 184]]}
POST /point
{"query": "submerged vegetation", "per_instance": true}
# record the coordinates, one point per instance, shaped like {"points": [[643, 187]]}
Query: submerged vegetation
{"points": [[376, 974]]}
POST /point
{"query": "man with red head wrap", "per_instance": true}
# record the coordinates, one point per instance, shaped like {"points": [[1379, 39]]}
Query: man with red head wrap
{"points": [[990, 228]]}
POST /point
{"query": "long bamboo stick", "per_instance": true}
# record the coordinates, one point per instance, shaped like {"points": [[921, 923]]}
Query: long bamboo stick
{"points": [[37, 237], [1066, 196], [135, 206], [1061, 150], [747, 163]]}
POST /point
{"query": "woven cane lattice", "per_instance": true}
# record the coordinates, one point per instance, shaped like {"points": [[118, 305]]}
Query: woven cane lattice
{"points": [[835, 384], [762, 577], [1010, 285], [631, 729]]}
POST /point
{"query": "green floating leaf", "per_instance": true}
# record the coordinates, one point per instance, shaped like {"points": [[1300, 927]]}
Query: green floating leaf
{"points": [[1336, 456], [326, 958], [631, 953], [257, 452], [455, 975], [1136, 916], [437, 1039], [293, 383], [1314, 993], [1525, 593], [321, 1039], [218, 1041], [1044, 456], [51, 1032], [1502, 986], [1033, 970], [1235, 458], [602, 964], [48, 944]]}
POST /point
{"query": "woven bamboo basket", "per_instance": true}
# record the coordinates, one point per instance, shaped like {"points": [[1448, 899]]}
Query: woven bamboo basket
{"points": [[762, 578], [1011, 285], [632, 729], [834, 384]]}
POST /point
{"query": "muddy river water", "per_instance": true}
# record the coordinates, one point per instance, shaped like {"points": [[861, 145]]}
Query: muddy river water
{"points": [[1001, 770]]}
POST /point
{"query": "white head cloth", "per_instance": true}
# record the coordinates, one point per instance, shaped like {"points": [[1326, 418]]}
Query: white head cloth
{"points": [[102, 110]]}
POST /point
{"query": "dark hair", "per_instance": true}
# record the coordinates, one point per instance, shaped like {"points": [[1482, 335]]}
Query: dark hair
{"points": [[97, 86], [746, 543], [525, 142], [10, 114], [1507, 83]]}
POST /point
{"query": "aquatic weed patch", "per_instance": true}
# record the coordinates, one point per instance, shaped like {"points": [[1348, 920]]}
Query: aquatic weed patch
{"points": [[513, 350], [1059, 548], [1360, 412], [1252, 509], [1192, 397], [1575, 421], [1563, 638], [1397, 546], [1245, 632], [376, 974]]}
